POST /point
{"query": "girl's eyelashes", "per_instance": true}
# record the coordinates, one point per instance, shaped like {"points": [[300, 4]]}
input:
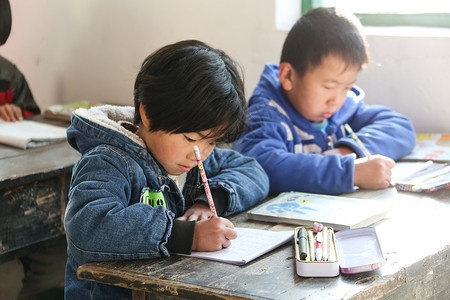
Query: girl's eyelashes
{"points": [[189, 139]]}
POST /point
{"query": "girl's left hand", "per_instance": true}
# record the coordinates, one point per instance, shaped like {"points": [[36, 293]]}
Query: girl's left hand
{"points": [[197, 212]]}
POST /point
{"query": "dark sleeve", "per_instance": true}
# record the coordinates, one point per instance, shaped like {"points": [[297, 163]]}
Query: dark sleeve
{"points": [[182, 237], [22, 95]]}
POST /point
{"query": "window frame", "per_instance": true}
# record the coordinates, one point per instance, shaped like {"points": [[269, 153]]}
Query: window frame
{"points": [[393, 19]]}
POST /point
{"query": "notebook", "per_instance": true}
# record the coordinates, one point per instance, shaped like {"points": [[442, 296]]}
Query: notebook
{"points": [[335, 211], [428, 177], [29, 134], [250, 244]]}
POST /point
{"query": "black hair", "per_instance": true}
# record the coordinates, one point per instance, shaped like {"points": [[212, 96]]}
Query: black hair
{"points": [[5, 21], [189, 86], [320, 32]]}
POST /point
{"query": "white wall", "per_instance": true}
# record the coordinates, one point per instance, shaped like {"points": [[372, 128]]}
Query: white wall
{"points": [[92, 49]]}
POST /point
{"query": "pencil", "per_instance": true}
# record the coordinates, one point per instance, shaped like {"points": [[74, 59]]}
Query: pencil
{"points": [[205, 181], [355, 137]]}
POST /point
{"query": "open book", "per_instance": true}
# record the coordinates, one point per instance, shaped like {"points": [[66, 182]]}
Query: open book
{"points": [[425, 176], [250, 244], [29, 134], [334, 211]]}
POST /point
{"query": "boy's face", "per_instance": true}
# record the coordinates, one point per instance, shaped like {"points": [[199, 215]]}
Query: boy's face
{"points": [[175, 151], [322, 91]]}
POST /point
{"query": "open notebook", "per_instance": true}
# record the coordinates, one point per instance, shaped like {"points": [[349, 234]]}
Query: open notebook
{"points": [[29, 134], [425, 177], [250, 244]]}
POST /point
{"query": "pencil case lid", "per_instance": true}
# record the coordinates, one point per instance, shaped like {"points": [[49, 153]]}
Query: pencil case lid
{"points": [[358, 250]]}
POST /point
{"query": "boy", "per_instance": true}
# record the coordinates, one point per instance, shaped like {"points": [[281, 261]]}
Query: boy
{"points": [[185, 94], [297, 113]]}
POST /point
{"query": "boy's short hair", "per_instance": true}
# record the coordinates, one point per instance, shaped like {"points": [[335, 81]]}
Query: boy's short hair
{"points": [[5, 21], [320, 32], [191, 87]]}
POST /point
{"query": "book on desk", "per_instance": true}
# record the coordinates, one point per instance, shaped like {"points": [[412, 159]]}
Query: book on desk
{"points": [[307, 208], [63, 112], [30, 134], [429, 165], [430, 146], [418, 177]]}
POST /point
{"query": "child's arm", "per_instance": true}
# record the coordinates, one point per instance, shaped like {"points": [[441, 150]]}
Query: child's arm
{"points": [[240, 178], [381, 130], [276, 148]]}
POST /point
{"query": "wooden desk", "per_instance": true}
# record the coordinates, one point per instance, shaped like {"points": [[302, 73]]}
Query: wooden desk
{"points": [[414, 239], [33, 191]]}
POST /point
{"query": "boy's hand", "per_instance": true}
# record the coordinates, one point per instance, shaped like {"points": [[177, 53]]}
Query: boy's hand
{"points": [[197, 212], [213, 234], [373, 172], [11, 113]]}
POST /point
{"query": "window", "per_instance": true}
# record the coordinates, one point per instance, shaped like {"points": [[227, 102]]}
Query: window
{"points": [[391, 12]]}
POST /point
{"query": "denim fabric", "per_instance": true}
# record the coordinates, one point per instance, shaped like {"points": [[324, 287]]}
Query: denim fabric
{"points": [[104, 219]]}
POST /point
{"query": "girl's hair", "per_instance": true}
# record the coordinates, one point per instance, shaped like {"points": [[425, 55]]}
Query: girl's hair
{"points": [[5, 21], [320, 32], [190, 87]]}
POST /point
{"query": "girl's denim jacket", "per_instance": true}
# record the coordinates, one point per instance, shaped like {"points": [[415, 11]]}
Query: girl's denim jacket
{"points": [[104, 218]]}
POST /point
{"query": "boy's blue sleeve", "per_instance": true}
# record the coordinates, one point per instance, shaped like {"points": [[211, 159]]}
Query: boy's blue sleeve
{"points": [[382, 130], [266, 139], [240, 176]]}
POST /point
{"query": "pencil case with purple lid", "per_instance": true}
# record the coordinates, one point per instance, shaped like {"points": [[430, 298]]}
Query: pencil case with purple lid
{"points": [[349, 251]]}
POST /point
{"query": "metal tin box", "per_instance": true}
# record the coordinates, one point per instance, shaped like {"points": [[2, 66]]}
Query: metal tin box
{"points": [[356, 250]]}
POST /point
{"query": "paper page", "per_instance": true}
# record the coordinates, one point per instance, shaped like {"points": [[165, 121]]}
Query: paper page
{"points": [[403, 170], [250, 244]]}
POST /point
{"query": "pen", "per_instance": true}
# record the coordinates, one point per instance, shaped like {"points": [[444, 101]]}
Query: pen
{"points": [[311, 245], [205, 181], [319, 246], [301, 240], [355, 137]]}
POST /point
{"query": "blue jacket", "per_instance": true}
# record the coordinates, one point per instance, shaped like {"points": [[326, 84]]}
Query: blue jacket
{"points": [[104, 218], [289, 147]]}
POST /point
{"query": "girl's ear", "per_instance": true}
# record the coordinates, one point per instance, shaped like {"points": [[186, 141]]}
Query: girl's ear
{"points": [[286, 74], [143, 113]]}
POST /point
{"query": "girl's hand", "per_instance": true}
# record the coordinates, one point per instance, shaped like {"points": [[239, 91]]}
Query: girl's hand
{"points": [[213, 234], [197, 212]]}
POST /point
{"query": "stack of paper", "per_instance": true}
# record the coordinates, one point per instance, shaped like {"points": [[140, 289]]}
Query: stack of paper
{"points": [[28, 134]]}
